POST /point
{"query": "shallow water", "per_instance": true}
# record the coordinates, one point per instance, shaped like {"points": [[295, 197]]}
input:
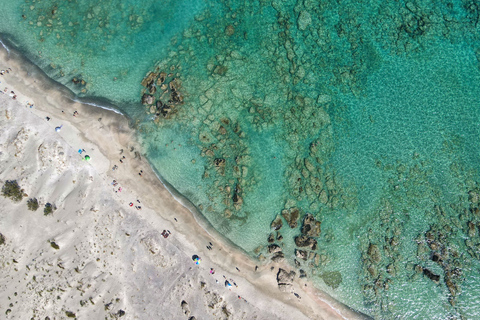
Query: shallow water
{"points": [[364, 115]]}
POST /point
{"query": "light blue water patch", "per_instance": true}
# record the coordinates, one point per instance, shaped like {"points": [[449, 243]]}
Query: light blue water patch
{"points": [[425, 106], [107, 44], [413, 106]]}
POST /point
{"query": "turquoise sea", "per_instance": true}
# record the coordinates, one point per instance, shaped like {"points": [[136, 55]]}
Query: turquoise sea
{"points": [[353, 126]]}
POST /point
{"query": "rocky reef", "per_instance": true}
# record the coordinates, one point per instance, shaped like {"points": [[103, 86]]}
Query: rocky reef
{"points": [[161, 95]]}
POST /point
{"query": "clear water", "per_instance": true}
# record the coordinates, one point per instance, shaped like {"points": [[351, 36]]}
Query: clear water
{"points": [[364, 114]]}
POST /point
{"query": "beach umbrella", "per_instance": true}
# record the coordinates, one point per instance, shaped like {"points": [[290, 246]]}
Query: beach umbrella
{"points": [[196, 259], [59, 128], [87, 157]]}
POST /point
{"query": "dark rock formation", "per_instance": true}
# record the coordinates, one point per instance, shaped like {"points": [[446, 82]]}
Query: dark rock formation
{"points": [[332, 279], [278, 257], [285, 279], [431, 275], [302, 254], [152, 89], [303, 274], [310, 227], [305, 241], [277, 223], [148, 99], [271, 238], [291, 215], [149, 79], [219, 162], [165, 110], [274, 248], [374, 253]]}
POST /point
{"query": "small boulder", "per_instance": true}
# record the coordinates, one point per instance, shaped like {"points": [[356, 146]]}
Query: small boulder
{"points": [[431, 275], [271, 238], [152, 89], [291, 216], [278, 257], [305, 241], [304, 20], [303, 274], [161, 78], [374, 253], [274, 248], [148, 99], [302, 254], [229, 30], [148, 80], [185, 307], [284, 277], [277, 223], [311, 227], [219, 162]]}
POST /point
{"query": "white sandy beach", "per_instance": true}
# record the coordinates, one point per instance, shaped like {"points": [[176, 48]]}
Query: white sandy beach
{"points": [[112, 260]]}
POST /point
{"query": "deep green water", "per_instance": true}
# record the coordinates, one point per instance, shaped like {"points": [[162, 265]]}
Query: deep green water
{"points": [[363, 114]]}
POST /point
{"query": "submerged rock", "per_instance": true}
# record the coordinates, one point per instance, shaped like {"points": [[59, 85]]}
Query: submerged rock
{"points": [[148, 99], [229, 30], [431, 275], [152, 89], [277, 223], [305, 241], [304, 20], [161, 78], [278, 257], [291, 216], [148, 80], [165, 110], [271, 238], [303, 274], [159, 105], [219, 162], [311, 227], [274, 248], [332, 279], [302, 254], [374, 253]]}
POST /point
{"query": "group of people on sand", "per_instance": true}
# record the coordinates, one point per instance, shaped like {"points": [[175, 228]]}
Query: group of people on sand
{"points": [[12, 94]]}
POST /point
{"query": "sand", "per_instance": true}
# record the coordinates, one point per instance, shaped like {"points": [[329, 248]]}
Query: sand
{"points": [[97, 256]]}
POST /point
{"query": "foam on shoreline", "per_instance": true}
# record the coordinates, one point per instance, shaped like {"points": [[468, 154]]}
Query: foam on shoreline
{"points": [[314, 305]]}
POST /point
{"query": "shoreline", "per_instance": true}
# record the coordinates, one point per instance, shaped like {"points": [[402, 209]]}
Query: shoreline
{"points": [[110, 134]]}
